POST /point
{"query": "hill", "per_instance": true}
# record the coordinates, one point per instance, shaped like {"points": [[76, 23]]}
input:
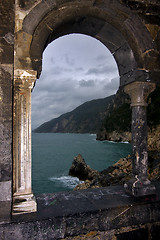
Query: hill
{"points": [[87, 118]]}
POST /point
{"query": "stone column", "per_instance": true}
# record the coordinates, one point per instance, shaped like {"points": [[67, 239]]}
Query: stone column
{"points": [[23, 199], [139, 185]]}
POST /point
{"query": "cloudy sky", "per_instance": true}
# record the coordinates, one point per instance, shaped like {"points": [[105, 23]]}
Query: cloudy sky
{"points": [[76, 68]]}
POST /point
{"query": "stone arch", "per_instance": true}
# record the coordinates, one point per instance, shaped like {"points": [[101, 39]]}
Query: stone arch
{"points": [[113, 24], [119, 29]]}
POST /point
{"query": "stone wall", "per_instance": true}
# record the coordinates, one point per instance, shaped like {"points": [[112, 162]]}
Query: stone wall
{"points": [[45, 230], [6, 84]]}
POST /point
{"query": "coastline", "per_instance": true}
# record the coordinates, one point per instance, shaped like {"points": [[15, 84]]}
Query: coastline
{"points": [[118, 173]]}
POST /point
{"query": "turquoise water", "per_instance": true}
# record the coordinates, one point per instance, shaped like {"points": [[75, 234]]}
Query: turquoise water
{"points": [[53, 153]]}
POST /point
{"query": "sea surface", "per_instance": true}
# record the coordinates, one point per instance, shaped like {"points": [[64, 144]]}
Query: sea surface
{"points": [[53, 153]]}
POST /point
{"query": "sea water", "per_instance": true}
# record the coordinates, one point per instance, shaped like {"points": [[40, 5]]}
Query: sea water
{"points": [[53, 153]]}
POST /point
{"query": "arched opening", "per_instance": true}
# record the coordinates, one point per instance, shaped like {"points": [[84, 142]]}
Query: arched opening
{"points": [[76, 69], [114, 26], [75, 64]]}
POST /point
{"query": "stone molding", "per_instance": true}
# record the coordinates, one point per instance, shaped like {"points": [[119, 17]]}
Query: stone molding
{"points": [[139, 91], [25, 79]]}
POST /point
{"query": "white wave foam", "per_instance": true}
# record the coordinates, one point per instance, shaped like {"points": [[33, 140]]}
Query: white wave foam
{"points": [[113, 141], [66, 181], [108, 141]]}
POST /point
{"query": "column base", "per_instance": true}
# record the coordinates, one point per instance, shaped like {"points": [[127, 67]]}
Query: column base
{"points": [[139, 188], [24, 204]]}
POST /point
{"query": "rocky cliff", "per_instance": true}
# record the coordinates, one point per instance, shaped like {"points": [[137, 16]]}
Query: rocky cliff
{"points": [[117, 124]]}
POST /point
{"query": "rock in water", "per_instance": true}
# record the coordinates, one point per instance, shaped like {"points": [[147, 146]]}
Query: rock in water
{"points": [[80, 169]]}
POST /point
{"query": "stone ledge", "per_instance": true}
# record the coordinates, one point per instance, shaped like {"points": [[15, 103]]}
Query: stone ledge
{"points": [[77, 212]]}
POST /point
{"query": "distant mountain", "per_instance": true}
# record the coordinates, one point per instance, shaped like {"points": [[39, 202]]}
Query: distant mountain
{"points": [[87, 118]]}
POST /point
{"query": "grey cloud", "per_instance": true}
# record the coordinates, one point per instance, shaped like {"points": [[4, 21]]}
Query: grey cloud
{"points": [[55, 71], [101, 57], [69, 60], [79, 69], [52, 60], [48, 106], [113, 84], [53, 84], [59, 70], [86, 83], [101, 70]]}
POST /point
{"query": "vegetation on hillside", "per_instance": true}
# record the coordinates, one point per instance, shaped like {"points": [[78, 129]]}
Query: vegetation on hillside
{"points": [[120, 117], [86, 118]]}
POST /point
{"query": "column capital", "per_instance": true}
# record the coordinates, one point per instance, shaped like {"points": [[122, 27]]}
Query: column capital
{"points": [[24, 79], [139, 91]]}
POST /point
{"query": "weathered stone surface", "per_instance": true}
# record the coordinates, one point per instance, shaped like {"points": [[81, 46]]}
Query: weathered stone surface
{"points": [[125, 56], [25, 4], [139, 75], [5, 210], [6, 78], [111, 37], [136, 234], [107, 211], [6, 50], [7, 17], [5, 188], [5, 123], [23, 199], [139, 185], [155, 231]]}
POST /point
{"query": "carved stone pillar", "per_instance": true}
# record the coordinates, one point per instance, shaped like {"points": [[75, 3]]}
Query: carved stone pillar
{"points": [[23, 199], [139, 185]]}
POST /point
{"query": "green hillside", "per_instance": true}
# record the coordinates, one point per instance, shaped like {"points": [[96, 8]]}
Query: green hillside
{"points": [[87, 118]]}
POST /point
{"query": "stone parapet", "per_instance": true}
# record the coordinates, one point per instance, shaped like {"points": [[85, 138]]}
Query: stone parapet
{"points": [[109, 213]]}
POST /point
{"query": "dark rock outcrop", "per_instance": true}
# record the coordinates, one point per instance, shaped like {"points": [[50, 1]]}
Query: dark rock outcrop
{"points": [[114, 136], [118, 173], [81, 170], [115, 174], [153, 137]]}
